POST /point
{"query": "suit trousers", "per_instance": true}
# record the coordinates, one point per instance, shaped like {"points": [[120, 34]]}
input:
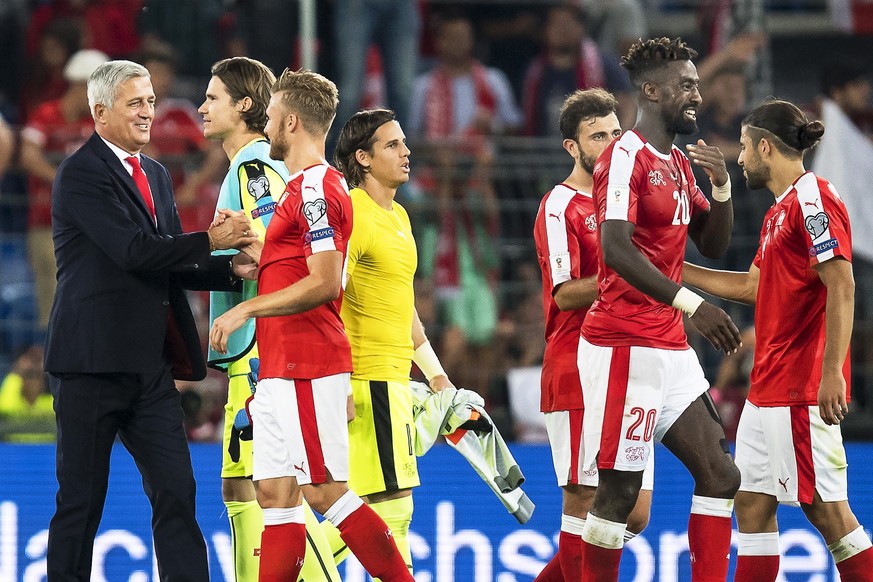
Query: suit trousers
{"points": [[144, 411]]}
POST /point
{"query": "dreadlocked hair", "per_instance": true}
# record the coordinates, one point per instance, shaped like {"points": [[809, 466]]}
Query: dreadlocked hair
{"points": [[647, 55]]}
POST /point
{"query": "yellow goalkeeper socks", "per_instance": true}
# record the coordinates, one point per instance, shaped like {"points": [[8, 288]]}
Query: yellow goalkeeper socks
{"points": [[246, 524], [338, 547]]}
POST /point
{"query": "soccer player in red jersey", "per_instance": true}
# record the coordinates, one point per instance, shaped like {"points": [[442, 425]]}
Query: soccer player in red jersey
{"points": [[640, 379], [299, 417], [789, 446], [565, 232]]}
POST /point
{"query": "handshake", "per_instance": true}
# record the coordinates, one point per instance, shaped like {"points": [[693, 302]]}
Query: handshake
{"points": [[232, 230]]}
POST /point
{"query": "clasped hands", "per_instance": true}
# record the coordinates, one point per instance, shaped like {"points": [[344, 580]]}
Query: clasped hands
{"points": [[232, 230]]}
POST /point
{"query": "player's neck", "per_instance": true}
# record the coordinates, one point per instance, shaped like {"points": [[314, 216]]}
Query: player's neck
{"points": [[232, 144], [303, 154], [579, 179], [381, 194], [784, 175], [652, 129]]}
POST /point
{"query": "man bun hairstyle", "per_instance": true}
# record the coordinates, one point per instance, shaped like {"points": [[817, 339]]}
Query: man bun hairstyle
{"points": [[359, 133], [787, 126], [647, 55], [584, 104]]}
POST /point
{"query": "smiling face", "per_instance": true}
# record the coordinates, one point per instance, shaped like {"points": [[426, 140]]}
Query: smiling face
{"points": [[680, 97], [388, 158], [594, 135], [127, 123]]}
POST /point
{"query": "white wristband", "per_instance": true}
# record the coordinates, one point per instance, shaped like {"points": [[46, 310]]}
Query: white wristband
{"points": [[687, 301], [722, 193], [427, 361]]}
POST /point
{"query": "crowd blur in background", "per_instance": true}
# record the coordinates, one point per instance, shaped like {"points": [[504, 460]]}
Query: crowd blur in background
{"points": [[477, 86]]}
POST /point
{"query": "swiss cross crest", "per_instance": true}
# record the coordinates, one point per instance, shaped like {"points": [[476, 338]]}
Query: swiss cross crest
{"points": [[591, 222], [656, 178]]}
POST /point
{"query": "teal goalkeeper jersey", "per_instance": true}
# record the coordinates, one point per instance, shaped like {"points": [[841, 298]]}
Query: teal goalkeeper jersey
{"points": [[253, 183]]}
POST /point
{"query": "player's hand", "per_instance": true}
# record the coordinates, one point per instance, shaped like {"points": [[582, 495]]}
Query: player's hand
{"points": [[716, 326], [233, 232], [711, 160], [254, 250], [245, 267], [832, 397], [225, 325], [440, 383]]}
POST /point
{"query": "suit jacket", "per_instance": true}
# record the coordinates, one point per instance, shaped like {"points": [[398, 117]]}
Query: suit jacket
{"points": [[120, 302]]}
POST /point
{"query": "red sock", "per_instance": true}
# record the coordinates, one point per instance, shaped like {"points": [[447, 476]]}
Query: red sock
{"points": [[601, 564], [858, 568], [373, 545], [570, 552], [756, 568], [552, 571], [282, 550], [709, 539]]}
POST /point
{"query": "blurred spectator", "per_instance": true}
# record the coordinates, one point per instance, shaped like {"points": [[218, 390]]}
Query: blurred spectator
{"points": [[195, 164], [615, 24], [108, 26], [55, 129], [508, 33], [192, 27], [45, 81], [26, 411], [731, 385], [849, 87], [457, 107], [461, 98], [392, 25], [569, 60]]}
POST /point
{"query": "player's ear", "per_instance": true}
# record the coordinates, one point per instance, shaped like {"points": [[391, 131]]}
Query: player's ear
{"points": [[650, 90], [572, 147], [245, 103], [100, 112], [363, 159]]}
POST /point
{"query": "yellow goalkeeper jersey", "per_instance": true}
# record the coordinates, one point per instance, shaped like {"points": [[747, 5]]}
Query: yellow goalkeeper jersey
{"points": [[379, 300]]}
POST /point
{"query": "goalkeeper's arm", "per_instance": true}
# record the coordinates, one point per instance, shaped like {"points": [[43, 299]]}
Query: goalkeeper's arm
{"points": [[426, 359]]}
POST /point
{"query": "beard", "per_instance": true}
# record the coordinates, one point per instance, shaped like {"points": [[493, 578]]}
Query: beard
{"points": [[278, 149], [681, 125], [756, 179], [587, 162]]}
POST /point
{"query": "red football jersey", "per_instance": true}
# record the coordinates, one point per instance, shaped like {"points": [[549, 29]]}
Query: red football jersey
{"points": [[313, 215], [807, 225], [659, 195], [565, 232]]}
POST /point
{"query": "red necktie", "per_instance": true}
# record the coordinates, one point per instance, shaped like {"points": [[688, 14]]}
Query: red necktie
{"points": [[143, 184]]}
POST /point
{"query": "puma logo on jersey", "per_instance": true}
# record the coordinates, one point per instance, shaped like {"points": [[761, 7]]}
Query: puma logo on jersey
{"points": [[555, 216], [299, 467], [814, 203], [625, 150], [784, 483]]}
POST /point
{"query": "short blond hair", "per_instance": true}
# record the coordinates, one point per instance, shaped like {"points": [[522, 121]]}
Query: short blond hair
{"points": [[311, 96]]}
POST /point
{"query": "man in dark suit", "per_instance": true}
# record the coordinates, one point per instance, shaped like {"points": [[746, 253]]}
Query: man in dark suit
{"points": [[121, 329]]}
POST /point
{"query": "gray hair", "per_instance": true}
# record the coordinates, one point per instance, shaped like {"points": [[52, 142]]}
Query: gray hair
{"points": [[104, 82]]}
